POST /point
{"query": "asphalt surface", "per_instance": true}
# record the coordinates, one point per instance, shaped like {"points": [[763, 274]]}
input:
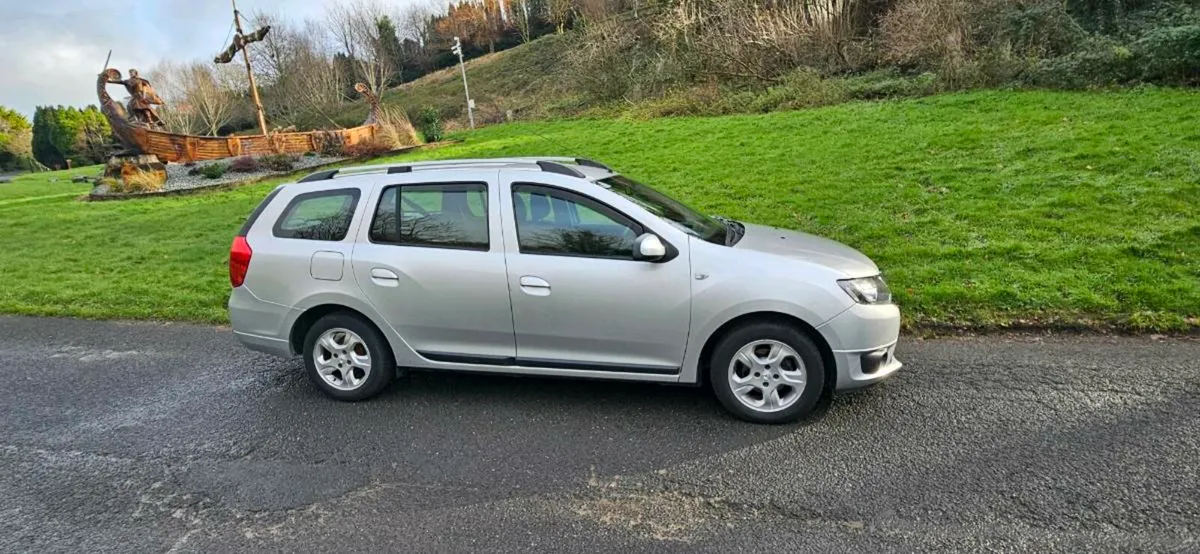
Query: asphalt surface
{"points": [[122, 437]]}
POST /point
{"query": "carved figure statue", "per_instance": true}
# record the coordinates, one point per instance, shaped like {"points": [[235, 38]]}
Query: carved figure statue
{"points": [[142, 99]]}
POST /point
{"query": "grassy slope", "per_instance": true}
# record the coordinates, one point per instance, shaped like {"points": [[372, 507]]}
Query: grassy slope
{"points": [[982, 208], [525, 80]]}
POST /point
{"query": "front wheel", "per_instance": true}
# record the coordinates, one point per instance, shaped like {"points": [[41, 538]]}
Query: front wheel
{"points": [[347, 358], [767, 373]]}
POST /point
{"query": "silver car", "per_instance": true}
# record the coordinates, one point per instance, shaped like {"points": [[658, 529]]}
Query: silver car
{"points": [[555, 267]]}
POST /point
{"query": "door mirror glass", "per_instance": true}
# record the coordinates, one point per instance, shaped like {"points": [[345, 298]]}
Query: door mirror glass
{"points": [[649, 248]]}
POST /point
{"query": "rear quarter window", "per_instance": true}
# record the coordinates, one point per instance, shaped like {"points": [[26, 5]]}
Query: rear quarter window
{"points": [[323, 215]]}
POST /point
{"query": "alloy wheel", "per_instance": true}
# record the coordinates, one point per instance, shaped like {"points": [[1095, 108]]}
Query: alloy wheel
{"points": [[767, 376], [342, 358]]}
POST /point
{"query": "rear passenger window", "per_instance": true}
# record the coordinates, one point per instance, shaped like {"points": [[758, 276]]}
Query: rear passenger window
{"points": [[450, 215], [322, 215]]}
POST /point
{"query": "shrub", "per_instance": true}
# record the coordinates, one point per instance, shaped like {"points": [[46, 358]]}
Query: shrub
{"points": [[368, 149], [213, 171], [802, 88], [113, 185], [330, 145], [1170, 55], [430, 123], [143, 181], [1098, 63], [279, 162], [396, 130], [245, 164], [890, 84]]}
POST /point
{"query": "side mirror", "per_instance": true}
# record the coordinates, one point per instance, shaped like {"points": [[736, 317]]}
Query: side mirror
{"points": [[649, 248]]}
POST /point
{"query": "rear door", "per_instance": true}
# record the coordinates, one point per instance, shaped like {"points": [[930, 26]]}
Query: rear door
{"points": [[432, 263]]}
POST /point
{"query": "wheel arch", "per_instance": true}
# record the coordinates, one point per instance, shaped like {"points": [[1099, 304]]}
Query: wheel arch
{"points": [[809, 330], [310, 316]]}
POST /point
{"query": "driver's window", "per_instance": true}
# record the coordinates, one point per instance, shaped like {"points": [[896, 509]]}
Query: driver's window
{"points": [[556, 222]]}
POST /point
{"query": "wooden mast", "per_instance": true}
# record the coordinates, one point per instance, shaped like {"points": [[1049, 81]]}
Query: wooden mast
{"points": [[237, 22]]}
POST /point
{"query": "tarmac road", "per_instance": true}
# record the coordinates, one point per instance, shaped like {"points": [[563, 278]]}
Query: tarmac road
{"points": [[118, 437]]}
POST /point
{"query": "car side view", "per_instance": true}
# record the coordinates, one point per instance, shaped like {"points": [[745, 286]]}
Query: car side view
{"points": [[552, 267]]}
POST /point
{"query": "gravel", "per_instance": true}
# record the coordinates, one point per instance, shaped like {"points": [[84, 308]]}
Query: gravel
{"points": [[178, 178]]}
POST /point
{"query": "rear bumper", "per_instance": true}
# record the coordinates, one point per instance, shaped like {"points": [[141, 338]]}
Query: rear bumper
{"points": [[863, 340], [266, 345], [259, 325]]}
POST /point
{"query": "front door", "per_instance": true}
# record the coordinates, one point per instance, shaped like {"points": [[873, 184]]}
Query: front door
{"points": [[433, 266], [579, 299]]}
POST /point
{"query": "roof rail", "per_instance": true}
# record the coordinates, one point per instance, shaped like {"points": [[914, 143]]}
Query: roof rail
{"points": [[319, 176], [561, 169], [591, 163], [561, 166]]}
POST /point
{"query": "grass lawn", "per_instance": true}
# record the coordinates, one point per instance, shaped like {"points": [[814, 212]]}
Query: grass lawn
{"points": [[49, 184], [983, 209]]}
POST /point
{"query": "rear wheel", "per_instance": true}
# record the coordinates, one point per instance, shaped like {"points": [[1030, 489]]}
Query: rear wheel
{"points": [[767, 373], [347, 358]]}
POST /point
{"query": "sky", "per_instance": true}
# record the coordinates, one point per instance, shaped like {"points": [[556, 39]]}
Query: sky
{"points": [[52, 50]]}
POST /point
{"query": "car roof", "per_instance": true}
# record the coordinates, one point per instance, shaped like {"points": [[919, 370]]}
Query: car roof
{"points": [[581, 168]]}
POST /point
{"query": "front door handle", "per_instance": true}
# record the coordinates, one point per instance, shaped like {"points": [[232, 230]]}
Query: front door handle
{"points": [[535, 286], [385, 277]]}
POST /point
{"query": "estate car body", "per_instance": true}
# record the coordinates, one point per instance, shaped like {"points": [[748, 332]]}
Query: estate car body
{"points": [[552, 267]]}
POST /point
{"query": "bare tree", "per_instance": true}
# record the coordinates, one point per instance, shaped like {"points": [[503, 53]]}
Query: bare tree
{"points": [[208, 93], [355, 28], [200, 98], [558, 12], [177, 113], [518, 14]]}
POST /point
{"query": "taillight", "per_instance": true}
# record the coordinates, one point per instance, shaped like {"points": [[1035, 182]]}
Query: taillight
{"points": [[239, 261]]}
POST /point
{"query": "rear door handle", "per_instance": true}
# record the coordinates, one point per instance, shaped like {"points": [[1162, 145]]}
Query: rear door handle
{"points": [[385, 277], [535, 286]]}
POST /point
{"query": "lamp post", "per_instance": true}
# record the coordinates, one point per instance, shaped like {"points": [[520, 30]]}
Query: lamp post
{"points": [[462, 64]]}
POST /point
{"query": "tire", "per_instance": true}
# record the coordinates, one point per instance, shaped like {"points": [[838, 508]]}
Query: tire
{"points": [[367, 376], [788, 391]]}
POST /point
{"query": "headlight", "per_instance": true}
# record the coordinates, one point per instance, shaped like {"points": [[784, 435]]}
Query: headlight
{"points": [[867, 290]]}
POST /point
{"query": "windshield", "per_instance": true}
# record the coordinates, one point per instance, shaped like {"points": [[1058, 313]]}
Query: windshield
{"points": [[668, 209]]}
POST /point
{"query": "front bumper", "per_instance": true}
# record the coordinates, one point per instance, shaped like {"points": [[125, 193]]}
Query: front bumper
{"points": [[863, 339]]}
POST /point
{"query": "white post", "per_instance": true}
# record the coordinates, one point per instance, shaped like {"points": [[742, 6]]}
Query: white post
{"points": [[470, 105]]}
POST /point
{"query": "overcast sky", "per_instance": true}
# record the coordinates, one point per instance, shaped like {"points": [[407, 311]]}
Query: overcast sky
{"points": [[52, 50]]}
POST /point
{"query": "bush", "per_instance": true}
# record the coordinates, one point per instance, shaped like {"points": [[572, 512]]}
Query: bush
{"points": [[802, 88], [114, 185], [330, 145], [143, 181], [881, 85], [396, 130], [1098, 63], [367, 149], [135, 182], [245, 164], [430, 123], [1170, 55], [279, 162], [213, 171]]}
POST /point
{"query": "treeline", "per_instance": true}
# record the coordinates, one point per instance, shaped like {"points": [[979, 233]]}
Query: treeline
{"points": [[57, 134], [64, 133], [16, 141]]}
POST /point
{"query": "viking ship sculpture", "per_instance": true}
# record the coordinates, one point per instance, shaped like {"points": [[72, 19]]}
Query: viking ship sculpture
{"points": [[140, 130]]}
